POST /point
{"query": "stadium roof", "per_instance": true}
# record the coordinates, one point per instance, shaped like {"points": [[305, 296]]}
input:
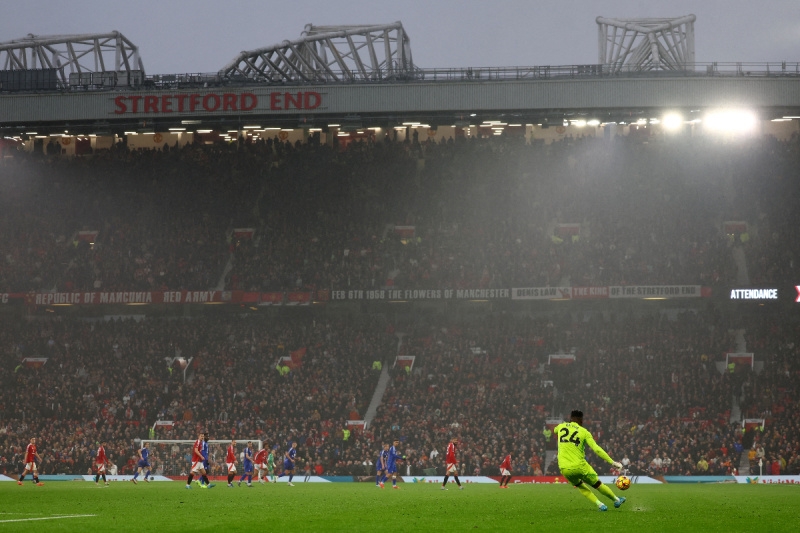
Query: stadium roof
{"points": [[646, 44], [74, 57], [330, 54]]}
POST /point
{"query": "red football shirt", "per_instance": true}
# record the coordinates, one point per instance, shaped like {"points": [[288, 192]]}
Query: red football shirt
{"points": [[197, 451], [261, 456], [451, 453], [30, 453], [231, 455], [506, 463], [101, 456]]}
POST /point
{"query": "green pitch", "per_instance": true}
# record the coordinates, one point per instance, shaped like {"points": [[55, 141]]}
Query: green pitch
{"points": [[363, 507]]}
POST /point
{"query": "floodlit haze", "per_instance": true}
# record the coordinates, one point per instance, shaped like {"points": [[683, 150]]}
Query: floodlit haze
{"points": [[203, 35]]}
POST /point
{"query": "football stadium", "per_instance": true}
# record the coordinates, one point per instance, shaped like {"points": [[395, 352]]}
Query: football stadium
{"points": [[321, 286]]}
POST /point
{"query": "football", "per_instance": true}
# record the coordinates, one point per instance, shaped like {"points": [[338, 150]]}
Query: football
{"points": [[623, 482]]}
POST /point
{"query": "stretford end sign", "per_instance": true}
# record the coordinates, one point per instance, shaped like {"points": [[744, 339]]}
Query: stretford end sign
{"points": [[163, 104]]}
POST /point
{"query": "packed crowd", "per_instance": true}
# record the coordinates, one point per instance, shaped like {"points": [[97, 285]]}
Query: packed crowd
{"points": [[112, 380], [651, 388], [772, 394], [122, 220], [484, 213]]}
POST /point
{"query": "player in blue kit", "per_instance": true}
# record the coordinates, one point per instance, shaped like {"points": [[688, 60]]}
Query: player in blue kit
{"points": [[288, 463], [391, 462], [205, 459], [144, 464], [248, 465], [383, 458], [204, 452]]}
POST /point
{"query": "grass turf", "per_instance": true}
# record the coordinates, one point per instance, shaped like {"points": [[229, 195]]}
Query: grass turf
{"points": [[163, 506]]}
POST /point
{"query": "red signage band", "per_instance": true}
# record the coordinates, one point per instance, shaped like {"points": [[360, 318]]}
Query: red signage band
{"points": [[209, 102], [157, 297]]}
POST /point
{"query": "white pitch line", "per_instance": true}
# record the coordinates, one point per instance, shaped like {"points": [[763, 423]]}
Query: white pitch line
{"points": [[47, 518]]}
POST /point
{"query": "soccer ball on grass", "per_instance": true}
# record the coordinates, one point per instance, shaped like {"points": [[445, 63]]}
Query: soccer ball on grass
{"points": [[623, 482]]}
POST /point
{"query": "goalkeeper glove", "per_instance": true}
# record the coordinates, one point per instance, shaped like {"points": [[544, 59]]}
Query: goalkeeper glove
{"points": [[617, 465]]}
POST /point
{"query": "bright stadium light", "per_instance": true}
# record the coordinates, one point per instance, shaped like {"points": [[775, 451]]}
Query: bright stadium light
{"points": [[593, 122], [672, 121], [731, 120]]}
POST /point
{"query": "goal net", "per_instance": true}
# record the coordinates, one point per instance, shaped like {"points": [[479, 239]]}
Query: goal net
{"points": [[174, 457]]}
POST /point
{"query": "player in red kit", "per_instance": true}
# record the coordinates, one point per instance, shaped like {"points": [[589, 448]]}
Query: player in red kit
{"points": [[100, 462], [451, 464], [261, 463], [30, 463], [197, 464], [505, 471], [230, 462]]}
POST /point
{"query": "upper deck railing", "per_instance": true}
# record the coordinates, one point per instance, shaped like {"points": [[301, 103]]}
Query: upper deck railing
{"points": [[136, 80]]}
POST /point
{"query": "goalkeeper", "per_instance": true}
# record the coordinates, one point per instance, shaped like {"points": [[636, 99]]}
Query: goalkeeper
{"points": [[271, 464], [572, 440]]}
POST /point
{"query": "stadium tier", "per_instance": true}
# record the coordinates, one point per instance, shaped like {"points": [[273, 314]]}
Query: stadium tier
{"points": [[399, 216], [652, 388]]}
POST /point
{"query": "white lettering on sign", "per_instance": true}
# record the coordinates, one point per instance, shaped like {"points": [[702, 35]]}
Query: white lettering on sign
{"points": [[754, 294]]}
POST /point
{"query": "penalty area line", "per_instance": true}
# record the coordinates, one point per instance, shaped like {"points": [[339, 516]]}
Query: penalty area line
{"points": [[47, 518]]}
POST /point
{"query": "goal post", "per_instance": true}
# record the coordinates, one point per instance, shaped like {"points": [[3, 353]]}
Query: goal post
{"points": [[174, 457]]}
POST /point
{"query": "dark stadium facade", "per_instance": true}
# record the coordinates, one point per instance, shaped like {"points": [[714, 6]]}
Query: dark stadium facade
{"points": [[439, 102]]}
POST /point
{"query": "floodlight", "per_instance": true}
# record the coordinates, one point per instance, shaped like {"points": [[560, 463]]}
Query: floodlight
{"points": [[731, 120], [672, 121]]}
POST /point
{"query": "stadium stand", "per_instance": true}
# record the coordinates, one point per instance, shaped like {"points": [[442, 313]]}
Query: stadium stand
{"points": [[331, 225], [324, 218], [656, 391]]}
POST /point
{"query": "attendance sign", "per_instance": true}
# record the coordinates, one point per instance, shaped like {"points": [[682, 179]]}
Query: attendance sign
{"points": [[754, 294]]}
